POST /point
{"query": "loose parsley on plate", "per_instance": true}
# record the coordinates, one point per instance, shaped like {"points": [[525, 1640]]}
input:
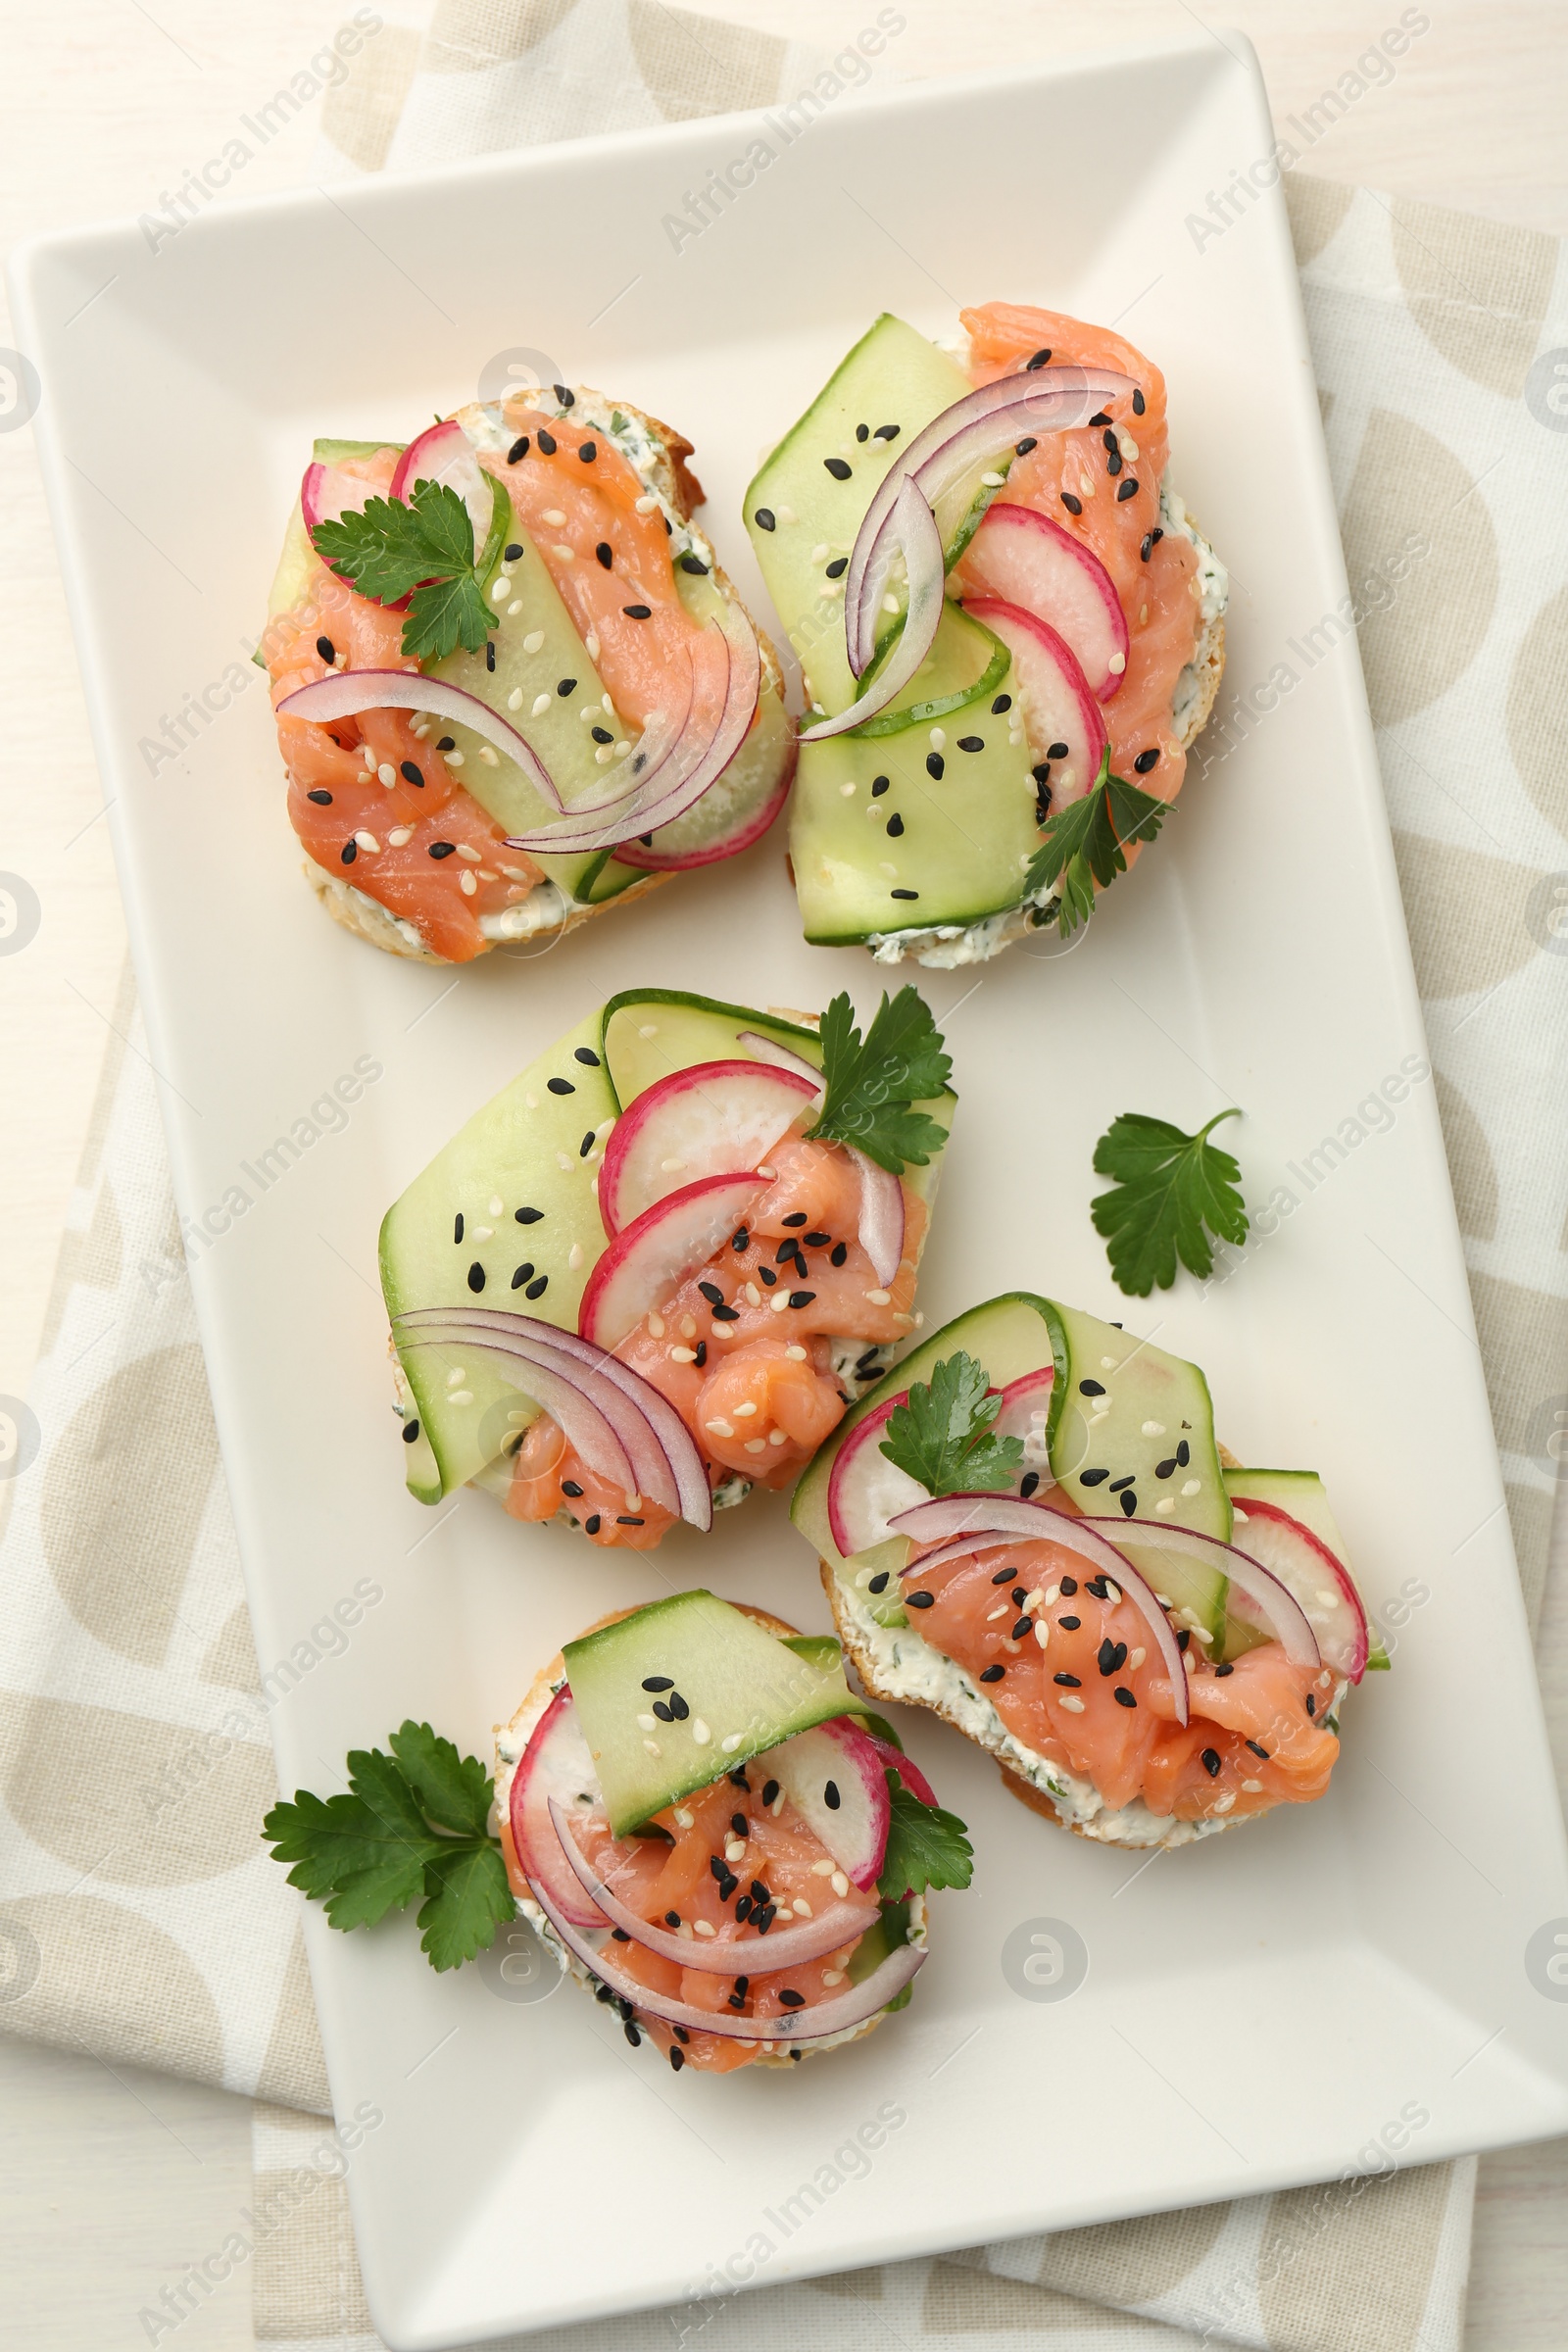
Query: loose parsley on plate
{"points": [[925, 1847], [1087, 842], [872, 1084], [424, 544], [412, 1825], [941, 1434], [1173, 1191]]}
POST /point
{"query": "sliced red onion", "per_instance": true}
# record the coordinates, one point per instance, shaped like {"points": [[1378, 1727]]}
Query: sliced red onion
{"points": [[346, 693], [797, 2026], [555, 1763], [1275, 1609], [913, 527], [986, 1520], [730, 1956], [660, 1447], [882, 1209], [688, 762], [907, 1770], [984, 424], [443, 454]]}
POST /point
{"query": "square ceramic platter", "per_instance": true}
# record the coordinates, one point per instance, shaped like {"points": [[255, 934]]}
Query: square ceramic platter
{"points": [[1256, 2010]]}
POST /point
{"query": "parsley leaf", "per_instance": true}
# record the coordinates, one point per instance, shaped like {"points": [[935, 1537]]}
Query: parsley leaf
{"points": [[424, 545], [389, 1843], [1087, 843], [872, 1084], [926, 1846], [941, 1434], [1172, 1187]]}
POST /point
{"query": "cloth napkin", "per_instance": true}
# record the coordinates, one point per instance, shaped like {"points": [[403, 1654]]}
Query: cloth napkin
{"points": [[140, 1919]]}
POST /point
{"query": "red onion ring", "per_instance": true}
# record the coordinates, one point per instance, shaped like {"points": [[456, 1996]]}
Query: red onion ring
{"points": [[1281, 1612], [913, 527]]}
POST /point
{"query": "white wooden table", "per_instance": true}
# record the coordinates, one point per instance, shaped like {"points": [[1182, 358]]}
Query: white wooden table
{"points": [[111, 2183]]}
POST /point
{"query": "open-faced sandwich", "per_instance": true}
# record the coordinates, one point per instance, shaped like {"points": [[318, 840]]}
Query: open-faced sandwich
{"points": [[513, 681], [713, 1836], [1030, 1528], [1009, 629], [651, 1272]]}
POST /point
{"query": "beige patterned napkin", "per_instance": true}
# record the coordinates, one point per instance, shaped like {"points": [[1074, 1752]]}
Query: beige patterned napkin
{"points": [[139, 1917]]}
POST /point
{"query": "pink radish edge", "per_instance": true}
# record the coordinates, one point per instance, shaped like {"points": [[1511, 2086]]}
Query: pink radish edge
{"points": [[1029, 559], [1060, 706]]}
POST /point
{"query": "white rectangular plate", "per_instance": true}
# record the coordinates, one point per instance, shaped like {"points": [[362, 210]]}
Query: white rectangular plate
{"points": [[1256, 2010]]}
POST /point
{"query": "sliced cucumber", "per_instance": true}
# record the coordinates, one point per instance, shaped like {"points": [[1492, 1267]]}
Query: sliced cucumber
{"points": [[966, 666], [732, 1689], [893, 376], [524, 1149]]}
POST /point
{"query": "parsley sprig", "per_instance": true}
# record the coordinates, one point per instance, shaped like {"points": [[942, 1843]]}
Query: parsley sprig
{"points": [[1173, 1191], [925, 1847], [872, 1084], [942, 1436], [424, 543], [1087, 842], [414, 1824]]}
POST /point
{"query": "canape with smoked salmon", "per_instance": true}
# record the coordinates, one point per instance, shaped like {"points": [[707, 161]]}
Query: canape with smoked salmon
{"points": [[653, 1272], [712, 1834], [1030, 1528], [1009, 629], [513, 681]]}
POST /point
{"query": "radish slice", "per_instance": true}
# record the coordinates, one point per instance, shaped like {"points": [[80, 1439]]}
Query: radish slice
{"points": [[768, 1048], [991, 1519], [717, 1116], [1025, 1412], [1058, 706], [328, 494], [654, 1254], [983, 425], [798, 2026], [908, 1770], [881, 1220], [745, 826], [865, 1492], [1027, 559], [555, 1764], [346, 693], [913, 528], [665, 782], [1274, 1608], [443, 454], [727, 1954], [1318, 1582], [833, 1776], [663, 1452]]}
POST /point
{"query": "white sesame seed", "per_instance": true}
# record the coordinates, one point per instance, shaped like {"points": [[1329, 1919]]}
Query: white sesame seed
{"points": [[541, 702], [1054, 1595], [1074, 1706], [652, 1747], [1225, 1803], [554, 516], [489, 755], [387, 772], [1116, 664], [604, 753], [939, 739], [533, 1101], [399, 835], [683, 1355], [482, 1232], [645, 505], [574, 1258], [1201, 1632], [777, 1806], [839, 1883], [534, 641], [498, 1207], [795, 1355], [565, 553], [1042, 1632], [778, 1303], [801, 1907], [514, 608], [777, 1437], [878, 1298], [1195, 1486], [823, 1869], [993, 482], [1128, 447], [992, 1614], [819, 552], [687, 1327], [460, 1397], [700, 1732], [1328, 1600], [753, 1296], [468, 885], [456, 1376], [499, 589], [683, 1819], [366, 776], [454, 759], [1153, 1428], [1254, 1788], [701, 1927], [890, 603], [744, 1412], [469, 855], [622, 746], [1166, 1505], [731, 1744], [846, 792], [645, 1723], [735, 1850], [590, 641], [1137, 1658], [720, 1429], [756, 1446]]}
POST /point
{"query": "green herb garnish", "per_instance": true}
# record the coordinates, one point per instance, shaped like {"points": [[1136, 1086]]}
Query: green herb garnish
{"points": [[872, 1084], [1171, 1188], [942, 1436], [1087, 842], [926, 1847], [424, 544], [414, 1824]]}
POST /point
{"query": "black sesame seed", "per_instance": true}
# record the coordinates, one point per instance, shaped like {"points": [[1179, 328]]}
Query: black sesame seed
{"points": [[528, 1216], [1058, 751], [1123, 1697], [838, 567], [658, 1682], [1022, 448], [797, 1216], [443, 849], [1092, 1478], [802, 1297], [1184, 1453], [1102, 418], [759, 1893], [569, 1486], [677, 2056], [887, 432], [586, 1146], [606, 554], [862, 432], [638, 611], [738, 1780], [619, 1936], [879, 785], [1220, 1672], [672, 1919], [1183, 1638], [1022, 1629], [1139, 404], [326, 649], [1145, 761], [791, 1999], [1042, 358], [838, 468], [992, 1674], [489, 662], [1126, 489], [726, 1315], [538, 1287], [816, 1241], [763, 1920], [592, 1523], [1311, 1702], [737, 2000], [894, 824], [1157, 535], [1069, 1586], [1075, 505], [743, 1910], [348, 853], [601, 735], [1069, 1624], [1028, 1483], [514, 552], [934, 763], [1165, 1469], [322, 800], [1210, 1762], [700, 1354], [1068, 1681], [1004, 1576], [476, 1276], [712, 1293], [567, 400], [1257, 1750], [878, 1584], [662, 1707], [920, 1601], [588, 452], [1145, 547], [628, 2028], [514, 455], [547, 442], [1019, 1596], [903, 894], [1117, 1483], [1088, 1388], [565, 686], [411, 1430], [830, 1795], [838, 1254], [769, 1792], [678, 1707], [561, 1086], [1129, 1502], [446, 743], [765, 518]]}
